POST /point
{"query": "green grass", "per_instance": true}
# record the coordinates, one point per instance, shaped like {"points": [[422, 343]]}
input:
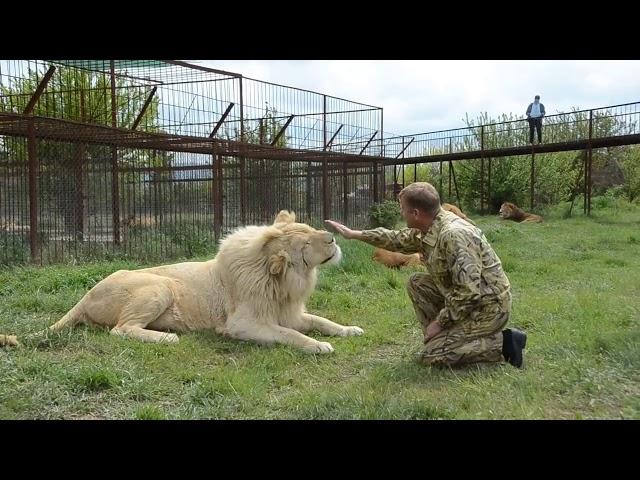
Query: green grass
{"points": [[576, 288]]}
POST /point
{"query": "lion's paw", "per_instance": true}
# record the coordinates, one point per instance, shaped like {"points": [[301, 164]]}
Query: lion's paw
{"points": [[170, 338], [320, 347], [348, 331]]}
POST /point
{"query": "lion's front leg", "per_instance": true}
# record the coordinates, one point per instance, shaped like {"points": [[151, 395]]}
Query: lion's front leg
{"points": [[327, 327], [245, 328]]}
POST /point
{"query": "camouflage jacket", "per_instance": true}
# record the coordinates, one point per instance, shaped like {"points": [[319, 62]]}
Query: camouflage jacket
{"points": [[462, 264]]}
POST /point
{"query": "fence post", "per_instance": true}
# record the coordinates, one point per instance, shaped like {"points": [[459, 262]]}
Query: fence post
{"points": [[115, 191], [325, 165], [345, 198], [533, 165], [217, 195], [384, 176], [489, 184], [243, 215], [590, 164], [33, 191], [450, 169], [481, 169]]}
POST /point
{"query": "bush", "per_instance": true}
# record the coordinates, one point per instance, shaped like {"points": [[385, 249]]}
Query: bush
{"points": [[385, 214]]}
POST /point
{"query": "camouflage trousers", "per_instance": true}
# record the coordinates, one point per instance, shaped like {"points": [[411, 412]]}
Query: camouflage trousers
{"points": [[478, 339]]}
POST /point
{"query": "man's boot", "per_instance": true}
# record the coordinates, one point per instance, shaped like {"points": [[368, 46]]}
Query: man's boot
{"points": [[513, 342]]}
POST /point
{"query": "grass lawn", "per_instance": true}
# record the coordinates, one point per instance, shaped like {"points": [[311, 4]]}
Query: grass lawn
{"points": [[576, 291]]}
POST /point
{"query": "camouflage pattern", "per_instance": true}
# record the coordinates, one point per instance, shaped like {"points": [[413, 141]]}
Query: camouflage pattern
{"points": [[464, 289]]}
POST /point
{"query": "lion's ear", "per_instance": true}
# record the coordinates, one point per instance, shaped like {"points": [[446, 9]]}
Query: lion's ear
{"points": [[285, 217], [278, 262]]}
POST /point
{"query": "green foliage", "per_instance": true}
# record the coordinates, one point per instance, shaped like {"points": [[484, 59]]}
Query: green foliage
{"points": [[385, 214]]}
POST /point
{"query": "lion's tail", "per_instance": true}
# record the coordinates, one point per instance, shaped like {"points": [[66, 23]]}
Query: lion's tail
{"points": [[71, 318]]}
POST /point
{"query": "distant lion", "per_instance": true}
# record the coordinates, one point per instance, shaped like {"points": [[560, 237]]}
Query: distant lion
{"points": [[397, 259], [254, 289], [509, 211], [453, 209]]}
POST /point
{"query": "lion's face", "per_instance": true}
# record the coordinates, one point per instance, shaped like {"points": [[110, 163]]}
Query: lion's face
{"points": [[317, 247], [506, 210], [301, 246]]}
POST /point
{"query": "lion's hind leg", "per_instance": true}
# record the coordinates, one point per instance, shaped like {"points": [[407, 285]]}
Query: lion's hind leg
{"points": [[145, 305]]}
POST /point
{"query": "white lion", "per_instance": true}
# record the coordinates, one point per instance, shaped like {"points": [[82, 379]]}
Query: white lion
{"points": [[254, 289]]}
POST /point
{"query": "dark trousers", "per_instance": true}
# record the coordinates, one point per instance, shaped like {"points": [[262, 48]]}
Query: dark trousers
{"points": [[537, 123]]}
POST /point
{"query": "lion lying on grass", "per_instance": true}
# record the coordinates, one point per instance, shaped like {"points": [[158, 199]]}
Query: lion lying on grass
{"points": [[509, 211], [397, 259], [254, 289]]}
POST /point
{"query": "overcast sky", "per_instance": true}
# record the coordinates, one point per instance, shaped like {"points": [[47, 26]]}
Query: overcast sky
{"points": [[427, 95]]}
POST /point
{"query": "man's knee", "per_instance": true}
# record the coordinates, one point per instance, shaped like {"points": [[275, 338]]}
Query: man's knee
{"points": [[412, 284]]}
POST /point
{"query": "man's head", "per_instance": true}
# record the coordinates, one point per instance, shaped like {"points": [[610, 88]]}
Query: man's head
{"points": [[419, 204], [537, 99]]}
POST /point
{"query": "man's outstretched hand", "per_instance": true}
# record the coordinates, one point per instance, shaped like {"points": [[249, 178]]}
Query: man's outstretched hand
{"points": [[343, 230]]}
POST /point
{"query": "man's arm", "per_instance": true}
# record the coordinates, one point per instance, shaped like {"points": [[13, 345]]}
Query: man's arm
{"points": [[542, 110], [406, 240], [529, 109]]}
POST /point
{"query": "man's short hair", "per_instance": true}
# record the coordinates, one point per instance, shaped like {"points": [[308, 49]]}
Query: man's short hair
{"points": [[423, 196], [537, 96]]}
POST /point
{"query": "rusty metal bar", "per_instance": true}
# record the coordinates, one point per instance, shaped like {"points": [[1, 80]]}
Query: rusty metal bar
{"points": [[482, 169], [368, 142], [384, 182], [449, 169], [325, 190], [532, 182], [81, 187], [403, 167], [455, 182], [115, 190], [585, 164], [325, 174], [144, 108], [481, 185], [39, 89], [221, 121], [489, 184], [404, 147], [345, 198], [328, 145], [217, 195], [590, 151], [284, 127], [376, 188], [243, 214], [33, 192], [243, 177], [309, 196]]}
